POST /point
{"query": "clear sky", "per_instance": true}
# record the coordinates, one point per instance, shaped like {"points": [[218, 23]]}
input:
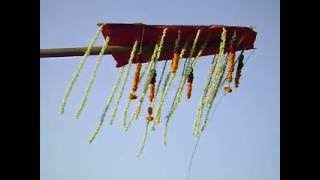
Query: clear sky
{"points": [[242, 140]]}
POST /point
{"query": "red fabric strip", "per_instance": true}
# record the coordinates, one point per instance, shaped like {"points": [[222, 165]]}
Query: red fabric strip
{"points": [[122, 34]]}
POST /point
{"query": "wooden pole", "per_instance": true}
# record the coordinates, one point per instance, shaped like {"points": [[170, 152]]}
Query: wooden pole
{"points": [[79, 51]]}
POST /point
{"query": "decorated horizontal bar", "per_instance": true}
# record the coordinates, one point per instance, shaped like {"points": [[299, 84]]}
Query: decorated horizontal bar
{"points": [[140, 43]]}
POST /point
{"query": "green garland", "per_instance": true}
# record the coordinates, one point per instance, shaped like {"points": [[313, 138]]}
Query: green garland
{"points": [[157, 90], [169, 78], [161, 77], [93, 77], [194, 45], [145, 88], [185, 70], [126, 109], [216, 76], [167, 87], [205, 92], [193, 63], [154, 58], [133, 51], [144, 139], [164, 33], [211, 103], [172, 76], [79, 68], [110, 98]]}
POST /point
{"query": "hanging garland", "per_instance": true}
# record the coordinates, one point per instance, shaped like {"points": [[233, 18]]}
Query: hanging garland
{"points": [[135, 82], [152, 95], [132, 54], [194, 45], [79, 68], [204, 96], [171, 78], [154, 58], [186, 70], [231, 62], [170, 75], [136, 78], [184, 75], [109, 101], [93, 77], [145, 88], [212, 86], [126, 109], [161, 77]]}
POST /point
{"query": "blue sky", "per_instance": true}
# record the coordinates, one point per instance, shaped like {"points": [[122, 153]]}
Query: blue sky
{"points": [[242, 140]]}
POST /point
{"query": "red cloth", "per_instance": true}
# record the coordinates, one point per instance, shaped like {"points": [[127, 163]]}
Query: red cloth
{"points": [[122, 34]]}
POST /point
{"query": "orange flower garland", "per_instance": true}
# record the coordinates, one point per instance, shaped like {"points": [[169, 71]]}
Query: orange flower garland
{"points": [[231, 57], [135, 82], [175, 62], [231, 62]]}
